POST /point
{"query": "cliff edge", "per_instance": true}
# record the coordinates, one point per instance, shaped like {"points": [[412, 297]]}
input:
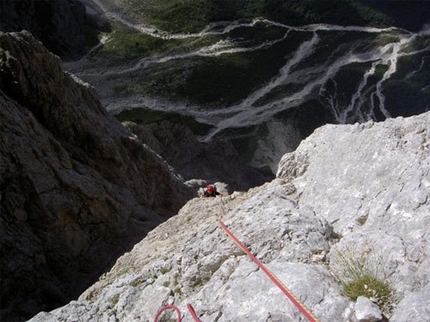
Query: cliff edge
{"points": [[77, 188], [352, 200]]}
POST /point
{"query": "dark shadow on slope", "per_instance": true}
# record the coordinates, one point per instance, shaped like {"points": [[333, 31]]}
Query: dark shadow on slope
{"points": [[63, 26], [77, 189], [409, 15]]}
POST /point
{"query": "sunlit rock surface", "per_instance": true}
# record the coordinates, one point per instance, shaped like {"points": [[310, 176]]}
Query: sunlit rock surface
{"points": [[358, 192]]}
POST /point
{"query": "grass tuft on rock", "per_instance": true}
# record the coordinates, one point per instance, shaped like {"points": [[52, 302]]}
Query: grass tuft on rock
{"points": [[358, 278]]}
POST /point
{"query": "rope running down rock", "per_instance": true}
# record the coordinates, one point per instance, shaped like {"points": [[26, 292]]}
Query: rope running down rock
{"points": [[302, 308]]}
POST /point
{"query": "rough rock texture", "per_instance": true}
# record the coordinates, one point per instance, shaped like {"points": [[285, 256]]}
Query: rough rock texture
{"points": [[216, 161], [366, 310], [58, 24], [358, 192], [77, 188]]}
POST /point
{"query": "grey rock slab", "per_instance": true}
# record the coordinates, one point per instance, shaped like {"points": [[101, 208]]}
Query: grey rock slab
{"points": [[358, 191], [366, 310]]}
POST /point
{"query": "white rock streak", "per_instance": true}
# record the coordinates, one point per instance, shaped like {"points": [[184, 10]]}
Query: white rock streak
{"points": [[366, 101]]}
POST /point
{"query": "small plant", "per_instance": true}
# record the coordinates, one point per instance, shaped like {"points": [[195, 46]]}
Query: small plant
{"points": [[177, 291], [115, 300], [358, 279], [164, 270], [362, 220], [137, 282], [366, 284]]}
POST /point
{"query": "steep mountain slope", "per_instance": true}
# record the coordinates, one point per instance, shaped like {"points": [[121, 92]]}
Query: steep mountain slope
{"points": [[77, 188], [350, 197]]}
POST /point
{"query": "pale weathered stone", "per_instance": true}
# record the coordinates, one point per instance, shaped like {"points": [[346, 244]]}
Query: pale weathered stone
{"points": [[357, 190], [366, 310]]}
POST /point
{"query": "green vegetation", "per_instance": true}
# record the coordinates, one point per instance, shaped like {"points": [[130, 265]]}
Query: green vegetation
{"points": [[420, 43], [179, 73], [147, 116], [115, 300], [359, 278], [362, 220], [169, 15], [194, 15], [366, 284], [130, 44], [230, 77], [191, 15]]}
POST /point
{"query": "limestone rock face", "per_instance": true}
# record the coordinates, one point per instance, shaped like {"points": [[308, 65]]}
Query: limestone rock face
{"points": [[354, 192], [366, 310], [77, 188]]}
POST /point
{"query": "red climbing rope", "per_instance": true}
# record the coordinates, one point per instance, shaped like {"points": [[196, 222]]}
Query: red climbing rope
{"points": [[166, 308], [193, 313], [278, 283], [303, 309], [178, 313]]}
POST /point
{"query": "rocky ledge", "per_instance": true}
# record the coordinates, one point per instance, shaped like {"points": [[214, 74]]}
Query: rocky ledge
{"points": [[351, 197]]}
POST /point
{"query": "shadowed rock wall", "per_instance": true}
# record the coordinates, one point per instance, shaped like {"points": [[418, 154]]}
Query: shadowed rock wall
{"points": [[77, 188], [62, 25]]}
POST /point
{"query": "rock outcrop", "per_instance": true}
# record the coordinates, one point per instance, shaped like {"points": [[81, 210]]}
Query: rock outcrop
{"points": [[349, 195], [215, 161], [77, 188]]}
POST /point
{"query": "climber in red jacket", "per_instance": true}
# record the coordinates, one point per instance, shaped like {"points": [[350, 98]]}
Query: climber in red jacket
{"points": [[210, 191]]}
